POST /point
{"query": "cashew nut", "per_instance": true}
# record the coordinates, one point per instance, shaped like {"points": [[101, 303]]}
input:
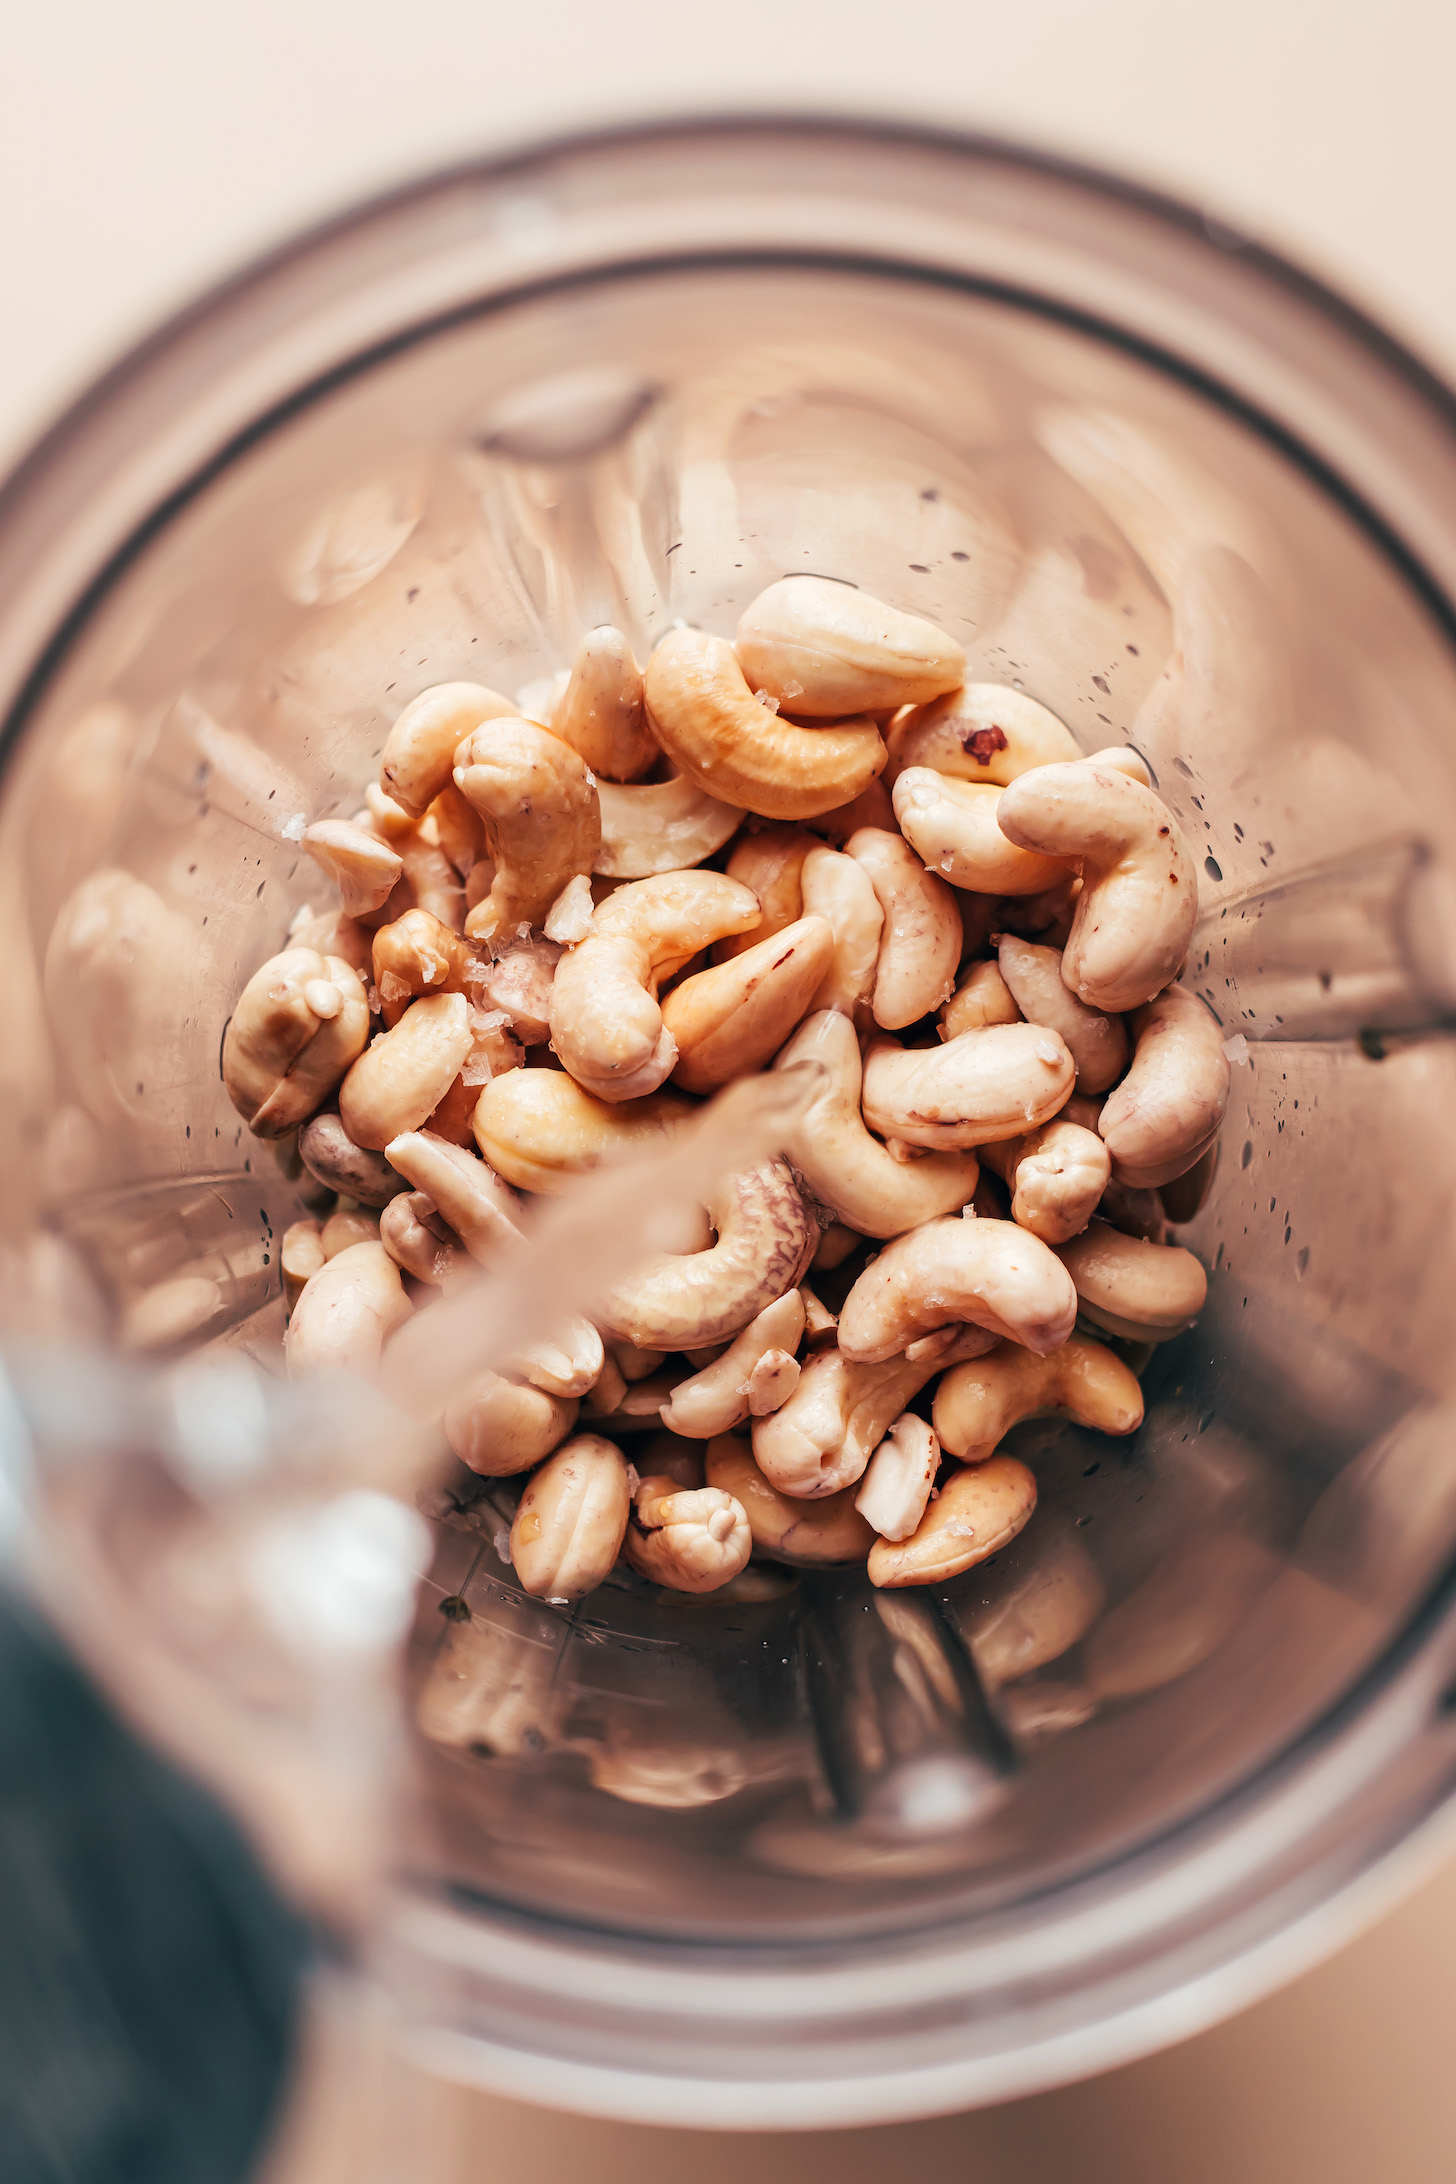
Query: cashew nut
{"points": [[634, 1364], [332, 934], [982, 997], [765, 1240], [538, 1129], [429, 881], [1051, 1602], [419, 751], [977, 1512], [301, 1022], [1135, 1212], [1144, 1292], [1046, 917], [802, 1533], [401, 1078], [542, 820], [343, 1229], [500, 1426], [518, 983], [415, 1237], [1184, 1197], [1056, 1175], [837, 1416], [839, 889], [976, 1405], [771, 862], [988, 1274], [733, 1018], [457, 829], [346, 1313], [416, 955], [693, 1541], [470, 1197], [871, 808], [981, 732], [1097, 1043], [1165, 1114], [715, 730], [492, 1052], [983, 1085], [898, 1478], [333, 1159], [567, 1364], [952, 827], [572, 1519], [1139, 894], [637, 1406], [660, 826], [300, 1256], [920, 940], [824, 649], [362, 867], [718, 1398], [600, 712]]}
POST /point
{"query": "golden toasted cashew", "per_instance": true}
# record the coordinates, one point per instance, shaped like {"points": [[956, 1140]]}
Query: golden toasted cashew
{"points": [[572, 1519], [301, 1022], [333, 1159], [342, 1229], [300, 1256], [981, 732], [499, 1426], [600, 712], [606, 1025], [568, 1363], [416, 955], [401, 1078], [980, 1086], [468, 1194], [363, 868], [1145, 1292], [982, 997], [419, 751], [845, 1168], [734, 1017], [518, 983], [1054, 1598], [898, 1478], [1097, 1043], [771, 862], [839, 889], [977, 1512], [718, 1398], [1139, 893], [976, 1405], [684, 1302], [715, 731], [693, 1540], [920, 940], [415, 1237], [542, 820], [538, 1128], [805, 1534], [660, 826], [346, 1313], [952, 827], [1056, 1176], [1165, 1114], [825, 649], [837, 1416], [988, 1274]]}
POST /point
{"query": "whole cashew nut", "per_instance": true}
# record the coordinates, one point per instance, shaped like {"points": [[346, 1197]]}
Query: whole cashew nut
{"points": [[467, 1193], [771, 862], [346, 1313], [839, 889], [399, 1080], [301, 1022], [415, 955], [988, 1274], [1056, 1175], [542, 820], [1166, 1112], [982, 997], [837, 1416], [660, 826], [976, 1405], [977, 1512], [895, 1489], [333, 1159], [1142, 1291], [952, 827], [568, 1364], [825, 649], [600, 712], [499, 1426], [734, 1017], [572, 1520], [981, 732], [765, 1241], [363, 868], [538, 1129], [920, 940], [805, 1534], [983, 1085], [691, 1540], [1097, 1043], [419, 751], [718, 1398]]}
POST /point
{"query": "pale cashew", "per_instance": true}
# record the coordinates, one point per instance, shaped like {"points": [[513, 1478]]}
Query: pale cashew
{"points": [[733, 1018], [691, 1541], [1056, 1175], [333, 1159], [871, 808], [982, 997], [346, 1313], [988, 1274], [384, 817], [839, 1242], [981, 732], [717, 1399], [660, 826], [608, 1389], [538, 1129], [839, 889], [845, 1168], [600, 712], [1097, 1043], [715, 731], [920, 940], [542, 820], [976, 1405], [637, 1409], [1144, 1292], [457, 829], [765, 1240], [468, 1194], [362, 867], [570, 1363], [301, 1022], [492, 1052], [825, 649], [572, 1519], [1043, 1612], [977, 1512], [413, 956], [952, 827], [518, 983], [805, 1534], [413, 1234], [605, 1022], [332, 934], [772, 1381], [400, 1079], [837, 1416], [1124, 759], [569, 918], [499, 1426], [634, 1364], [983, 1085], [1139, 894], [343, 1229], [300, 1256], [819, 1321], [429, 882], [419, 751], [771, 862], [1165, 1114], [898, 1478], [1046, 917]]}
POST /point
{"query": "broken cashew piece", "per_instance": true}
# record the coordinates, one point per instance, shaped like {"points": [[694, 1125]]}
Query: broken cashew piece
{"points": [[982, 997], [765, 1239], [301, 1023], [417, 1240], [952, 827], [805, 1534], [825, 649], [538, 1129], [1056, 1175], [898, 1478], [988, 1274], [820, 1441], [346, 1313], [518, 983], [977, 1512], [467, 1193], [839, 889], [415, 955], [983, 1085], [542, 820], [660, 826], [734, 1017], [419, 751], [718, 1398], [362, 867], [1142, 1291], [1096, 1042], [771, 862], [1165, 1114], [981, 732], [572, 1519], [600, 712], [693, 1539], [977, 1404], [499, 1426], [920, 939], [333, 1159], [401, 1078]]}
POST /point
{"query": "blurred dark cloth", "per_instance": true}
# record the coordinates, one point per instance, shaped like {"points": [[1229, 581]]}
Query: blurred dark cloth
{"points": [[149, 1976]]}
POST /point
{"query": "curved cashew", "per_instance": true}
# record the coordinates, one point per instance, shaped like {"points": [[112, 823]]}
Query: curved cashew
{"points": [[419, 751], [976, 1405], [803, 1533], [1056, 1176], [660, 826], [332, 934], [492, 1052], [1046, 917], [1135, 1212], [600, 712], [429, 881], [570, 1363], [300, 1256], [542, 820], [1097, 1043], [837, 1416], [605, 1022], [982, 997], [500, 1426], [572, 1520], [538, 1129], [733, 1018], [1044, 1611], [467, 1193], [765, 1240], [1166, 1112], [413, 956], [846, 1169], [952, 826], [362, 867], [920, 940], [634, 1364], [691, 1541], [825, 649], [871, 808], [771, 862], [399, 1081], [719, 1398], [1141, 1291], [989, 1274], [457, 829], [1139, 890], [630, 1406], [898, 1478], [346, 1313], [714, 729], [413, 1234], [1185, 1195], [343, 1229], [977, 1512], [301, 1022], [980, 1086], [839, 889], [981, 732], [333, 1159]]}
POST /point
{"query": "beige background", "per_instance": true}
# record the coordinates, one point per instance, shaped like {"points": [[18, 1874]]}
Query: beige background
{"points": [[147, 147]]}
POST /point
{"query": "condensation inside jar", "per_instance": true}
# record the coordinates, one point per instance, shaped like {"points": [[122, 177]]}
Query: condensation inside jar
{"points": [[806, 1755]]}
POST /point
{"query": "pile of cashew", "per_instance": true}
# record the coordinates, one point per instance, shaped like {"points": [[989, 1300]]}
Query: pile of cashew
{"points": [[559, 929]]}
